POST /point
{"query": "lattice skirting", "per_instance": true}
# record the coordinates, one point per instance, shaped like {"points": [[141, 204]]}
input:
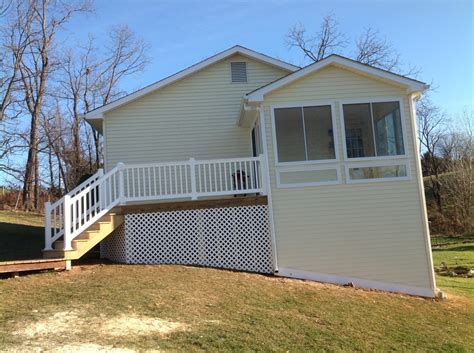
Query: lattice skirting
{"points": [[231, 237]]}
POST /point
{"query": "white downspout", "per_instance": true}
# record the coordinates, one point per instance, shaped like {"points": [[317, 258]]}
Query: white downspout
{"points": [[263, 132]]}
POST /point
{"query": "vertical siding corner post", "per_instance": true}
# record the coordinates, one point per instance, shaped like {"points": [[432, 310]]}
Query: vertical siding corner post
{"points": [[67, 222], [121, 183], [192, 165], [48, 244], [263, 174]]}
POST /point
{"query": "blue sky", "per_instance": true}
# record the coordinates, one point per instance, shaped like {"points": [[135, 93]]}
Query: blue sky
{"points": [[436, 35]]}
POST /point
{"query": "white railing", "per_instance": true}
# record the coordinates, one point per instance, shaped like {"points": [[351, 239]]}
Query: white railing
{"points": [[83, 206]]}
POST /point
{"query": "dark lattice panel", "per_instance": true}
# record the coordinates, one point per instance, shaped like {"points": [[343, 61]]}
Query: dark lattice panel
{"points": [[114, 246]]}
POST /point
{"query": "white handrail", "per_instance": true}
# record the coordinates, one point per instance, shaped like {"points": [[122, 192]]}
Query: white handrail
{"points": [[83, 206]]}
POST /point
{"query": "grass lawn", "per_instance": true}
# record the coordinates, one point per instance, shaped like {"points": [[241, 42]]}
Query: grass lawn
{"points": [[21, 235], [454, 251], [196, 309], [177, 308]]}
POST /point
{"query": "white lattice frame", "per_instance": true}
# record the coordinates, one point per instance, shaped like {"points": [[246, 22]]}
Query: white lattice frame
{"points": [[235, 238]]}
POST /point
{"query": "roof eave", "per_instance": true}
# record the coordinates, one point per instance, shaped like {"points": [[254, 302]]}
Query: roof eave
{"points": [[98, 113], [413, 86]]}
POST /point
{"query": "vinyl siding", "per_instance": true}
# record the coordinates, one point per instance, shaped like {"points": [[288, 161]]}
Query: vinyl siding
{"points": [[194, 117], [372, 231]]}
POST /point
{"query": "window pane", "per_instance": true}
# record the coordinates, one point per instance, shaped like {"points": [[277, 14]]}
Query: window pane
{"points": [[308, 176], [289, 134], [319, 132], [392, 171], [359, 134], [388, 128]]}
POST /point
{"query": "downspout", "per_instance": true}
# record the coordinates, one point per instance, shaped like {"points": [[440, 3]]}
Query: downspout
{"points": [[269, 186]]}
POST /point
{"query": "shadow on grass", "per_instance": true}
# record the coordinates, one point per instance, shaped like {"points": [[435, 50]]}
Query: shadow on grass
{"points": [[456, 248], [20, 242]]}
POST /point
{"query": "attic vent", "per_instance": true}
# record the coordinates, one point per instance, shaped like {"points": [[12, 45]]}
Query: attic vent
{"points": [[239, 71]]}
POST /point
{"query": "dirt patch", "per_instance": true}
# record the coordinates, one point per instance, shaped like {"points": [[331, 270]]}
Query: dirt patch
{"points": [[74, 326], [65, 322], [136, 325]]}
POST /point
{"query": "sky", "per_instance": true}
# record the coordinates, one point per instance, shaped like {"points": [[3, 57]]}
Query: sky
{"points": [[436, 35]]}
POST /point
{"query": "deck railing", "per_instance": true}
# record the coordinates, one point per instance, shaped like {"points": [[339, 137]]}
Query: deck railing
{"points": [[192, 179]]}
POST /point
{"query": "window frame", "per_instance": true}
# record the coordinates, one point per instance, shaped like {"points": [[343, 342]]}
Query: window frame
{"points": [[307, 168], [303, 104], [377, 161], [343, 102], [386, 163]]}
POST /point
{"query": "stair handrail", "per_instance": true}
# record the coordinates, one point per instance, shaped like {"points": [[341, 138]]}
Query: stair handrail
{"points": [[60, 224]]}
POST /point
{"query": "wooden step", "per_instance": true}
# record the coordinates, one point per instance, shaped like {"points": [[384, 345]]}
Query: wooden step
{"points": [[32, 265], [87, 239]]}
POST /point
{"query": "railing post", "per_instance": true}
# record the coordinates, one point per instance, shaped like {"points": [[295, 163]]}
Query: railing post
{"points": [[48, 244], [67, 222], [263, 173], [121, 184], [192, 164]]}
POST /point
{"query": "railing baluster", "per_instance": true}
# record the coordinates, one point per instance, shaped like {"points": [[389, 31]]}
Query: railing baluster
{"points": [[165, 179], [200, 178], [154, 181], [215, 177], [175, 180]]}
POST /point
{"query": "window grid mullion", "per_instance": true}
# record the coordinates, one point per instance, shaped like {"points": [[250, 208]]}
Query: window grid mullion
{"points": [[373, 129], [304, 135]]}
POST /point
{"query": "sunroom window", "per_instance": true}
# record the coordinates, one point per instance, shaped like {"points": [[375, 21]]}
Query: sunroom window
{"points": [[373, 129], [304, 133]]}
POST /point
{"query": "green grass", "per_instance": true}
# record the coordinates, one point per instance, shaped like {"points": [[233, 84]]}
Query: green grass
{"points": [[454, 251], [21, 235], [118, 306]]}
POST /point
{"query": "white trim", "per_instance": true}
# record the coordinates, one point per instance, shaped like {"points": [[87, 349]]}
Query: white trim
{"points": [[307, 165], [410, 84], [387, 163], [314, 103], [268, 183], [421, 195], [335, 166], [98, 113], [358, 282], [369, 100]]}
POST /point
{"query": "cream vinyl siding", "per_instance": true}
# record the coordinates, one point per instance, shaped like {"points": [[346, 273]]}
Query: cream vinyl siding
{"points": [[195, 117], [372, 231]]}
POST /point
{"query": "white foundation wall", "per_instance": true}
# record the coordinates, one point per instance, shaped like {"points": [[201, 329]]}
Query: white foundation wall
{"points": [[236, 238], [371, 232]]}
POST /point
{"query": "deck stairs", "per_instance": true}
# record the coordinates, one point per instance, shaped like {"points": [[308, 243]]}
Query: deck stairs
{"points": [[87, 240]]}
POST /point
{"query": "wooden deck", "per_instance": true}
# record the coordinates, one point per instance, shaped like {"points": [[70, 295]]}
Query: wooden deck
{"points": [[32, 265], [165, 206]]}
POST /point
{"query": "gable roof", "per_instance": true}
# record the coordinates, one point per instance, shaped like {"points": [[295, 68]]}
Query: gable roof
{"points": [[412, 85], [97, 114]]}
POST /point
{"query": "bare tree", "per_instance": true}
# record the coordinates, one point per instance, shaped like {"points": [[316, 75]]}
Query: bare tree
{"points": [[458, 154], [328, 40], [125, 55], [374, 50], [48, 16], [431, 123], [371, 47]]}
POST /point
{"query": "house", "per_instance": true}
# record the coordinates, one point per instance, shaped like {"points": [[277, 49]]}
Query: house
{"points": [[246, 162]]}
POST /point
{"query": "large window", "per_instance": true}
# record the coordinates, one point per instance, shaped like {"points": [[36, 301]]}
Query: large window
{"points": [[373, 129], [304, 133]]}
